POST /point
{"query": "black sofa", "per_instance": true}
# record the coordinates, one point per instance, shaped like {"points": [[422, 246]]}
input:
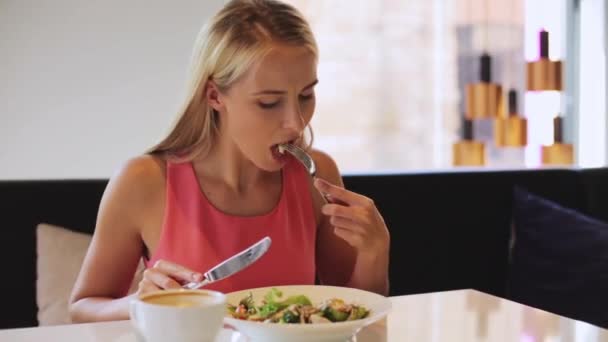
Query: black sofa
{"points": [[450, 230]]}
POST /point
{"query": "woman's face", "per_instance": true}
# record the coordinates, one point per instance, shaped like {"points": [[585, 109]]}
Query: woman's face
{"points": [[271, 104]]}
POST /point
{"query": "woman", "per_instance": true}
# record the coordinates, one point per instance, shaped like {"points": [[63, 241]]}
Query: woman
{"points": [[217, 183]]}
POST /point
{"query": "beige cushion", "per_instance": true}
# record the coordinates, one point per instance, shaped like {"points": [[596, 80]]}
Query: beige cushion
{"points": [[60, 256]]}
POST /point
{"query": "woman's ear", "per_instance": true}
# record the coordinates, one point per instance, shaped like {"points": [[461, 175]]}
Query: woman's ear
{"points": [[214, 96]]}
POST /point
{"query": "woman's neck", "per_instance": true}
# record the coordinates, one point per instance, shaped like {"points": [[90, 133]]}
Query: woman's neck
{"points": [[225, 163]]}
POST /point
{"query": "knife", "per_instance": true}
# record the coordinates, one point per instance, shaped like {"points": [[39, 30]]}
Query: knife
{"points": [[232, 265]]}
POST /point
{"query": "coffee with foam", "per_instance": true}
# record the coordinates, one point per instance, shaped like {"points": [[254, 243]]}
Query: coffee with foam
{"points": [[178, 315], [182, 300]]}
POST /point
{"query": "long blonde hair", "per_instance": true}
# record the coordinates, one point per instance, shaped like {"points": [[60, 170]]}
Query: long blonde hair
{"points": [[225, 48]]}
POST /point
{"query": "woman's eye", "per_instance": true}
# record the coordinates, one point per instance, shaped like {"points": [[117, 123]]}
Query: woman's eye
{"points": [[268, 105], [271, 105]]}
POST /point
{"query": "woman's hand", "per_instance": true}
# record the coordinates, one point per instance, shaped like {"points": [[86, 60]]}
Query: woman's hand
{"points": [[355, 219], [166, 275]]}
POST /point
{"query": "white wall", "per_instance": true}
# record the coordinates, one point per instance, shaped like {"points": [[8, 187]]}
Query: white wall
{"points": [[592, 146], [85, 85]]}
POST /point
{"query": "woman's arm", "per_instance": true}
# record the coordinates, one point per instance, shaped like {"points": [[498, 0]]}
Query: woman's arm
{"points": [[352, 239], [132, 197]]}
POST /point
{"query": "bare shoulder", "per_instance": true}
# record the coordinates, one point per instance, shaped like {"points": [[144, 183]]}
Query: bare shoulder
{"points": [[138, 181], [327, 168], [143, 170]]}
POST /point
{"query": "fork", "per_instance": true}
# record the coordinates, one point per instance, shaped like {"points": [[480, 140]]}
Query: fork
{"points": [[306, 160], [301, 156]]}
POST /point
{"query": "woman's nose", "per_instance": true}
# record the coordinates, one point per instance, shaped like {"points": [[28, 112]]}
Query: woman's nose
{"points": [[294, 120]]}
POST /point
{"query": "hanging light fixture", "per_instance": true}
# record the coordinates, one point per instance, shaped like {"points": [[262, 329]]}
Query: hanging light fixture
{"points": [[510, 128], [468, 151], [558, 153], [544, 74], [483, 97], [545, 81]]}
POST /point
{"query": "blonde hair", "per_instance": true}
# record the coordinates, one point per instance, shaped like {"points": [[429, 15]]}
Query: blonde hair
{"points": [[239, 34]]}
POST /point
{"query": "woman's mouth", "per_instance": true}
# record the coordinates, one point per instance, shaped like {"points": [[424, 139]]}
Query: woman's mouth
{"points": [[278, 150]]}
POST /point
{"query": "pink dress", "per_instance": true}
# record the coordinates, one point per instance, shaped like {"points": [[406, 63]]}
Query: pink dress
{"points": [[199, 236]]}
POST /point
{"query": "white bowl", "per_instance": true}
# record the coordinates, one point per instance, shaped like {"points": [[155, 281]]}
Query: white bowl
{"points": [[378, 305]]}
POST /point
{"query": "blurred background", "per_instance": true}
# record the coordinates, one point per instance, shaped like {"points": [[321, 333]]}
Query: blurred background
{"points": [[86, 85]]}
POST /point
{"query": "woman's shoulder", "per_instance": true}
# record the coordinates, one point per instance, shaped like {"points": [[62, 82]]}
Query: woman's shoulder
{"points": [[327, 168], [139, 178], [146, 168]]}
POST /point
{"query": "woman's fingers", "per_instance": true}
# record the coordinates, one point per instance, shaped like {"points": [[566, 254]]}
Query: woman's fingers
{"points": [[344, 223], [160, 279], [337, 210], [357, 214], [338, 194], [177, 272], [146, 286], [167, 275]]}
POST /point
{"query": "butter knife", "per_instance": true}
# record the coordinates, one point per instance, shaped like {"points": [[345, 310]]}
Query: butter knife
{"points": [[232, 265]]}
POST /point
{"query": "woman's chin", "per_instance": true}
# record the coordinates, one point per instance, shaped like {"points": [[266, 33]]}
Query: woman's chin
{"points": [[276, 160], [273, 164]]}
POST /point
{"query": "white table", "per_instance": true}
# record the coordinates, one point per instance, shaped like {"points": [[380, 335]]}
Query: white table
{"points": [[447, 316]]}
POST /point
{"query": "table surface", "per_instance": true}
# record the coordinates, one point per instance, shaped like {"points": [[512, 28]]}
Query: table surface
{"points": [[465, 315]]}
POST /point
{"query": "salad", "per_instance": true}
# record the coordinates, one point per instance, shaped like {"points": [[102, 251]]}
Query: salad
{"points": [[295, 309]]}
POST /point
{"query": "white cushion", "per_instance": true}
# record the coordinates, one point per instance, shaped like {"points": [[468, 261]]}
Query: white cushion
{"points": [[60, 255]]}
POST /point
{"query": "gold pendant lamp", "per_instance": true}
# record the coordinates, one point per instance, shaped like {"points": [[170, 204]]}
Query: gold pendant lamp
{"points": [[483, 98], [510, 128], [468, 151], [558, 153], [544, 74]]}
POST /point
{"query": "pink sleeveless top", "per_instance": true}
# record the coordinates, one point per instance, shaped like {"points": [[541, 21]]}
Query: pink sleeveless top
{"points": [[199, 236]]}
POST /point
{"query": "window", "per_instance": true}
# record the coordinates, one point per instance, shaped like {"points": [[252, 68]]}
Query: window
{"points": [[392, 75]]}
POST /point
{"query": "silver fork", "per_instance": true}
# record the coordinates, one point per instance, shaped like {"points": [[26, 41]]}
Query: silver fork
{"points": [[306, 160], [301, 156]]}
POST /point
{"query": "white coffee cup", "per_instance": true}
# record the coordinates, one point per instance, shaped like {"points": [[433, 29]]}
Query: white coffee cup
{"points": [[178, 315]]}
